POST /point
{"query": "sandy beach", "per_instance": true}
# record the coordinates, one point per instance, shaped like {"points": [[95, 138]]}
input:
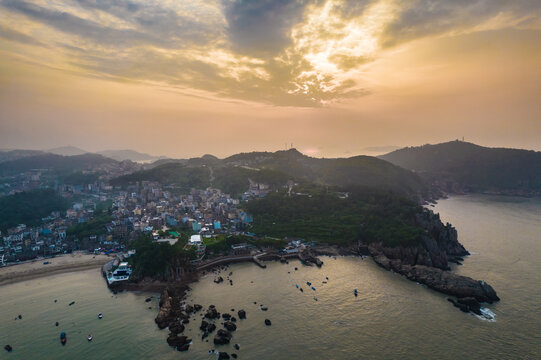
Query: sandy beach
{"points": [[60, 264]]}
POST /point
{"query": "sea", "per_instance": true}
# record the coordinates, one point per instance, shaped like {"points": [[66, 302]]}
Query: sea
{"points": [[391, 318]]}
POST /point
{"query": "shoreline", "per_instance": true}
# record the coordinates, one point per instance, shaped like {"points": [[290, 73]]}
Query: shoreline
{"points": [[58, 265]]}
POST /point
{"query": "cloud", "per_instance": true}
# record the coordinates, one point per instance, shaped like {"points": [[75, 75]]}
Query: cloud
{"points": [[282, 52]]}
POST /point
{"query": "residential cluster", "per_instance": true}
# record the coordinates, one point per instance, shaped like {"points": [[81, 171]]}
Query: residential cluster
{"points": [[104, 218]]}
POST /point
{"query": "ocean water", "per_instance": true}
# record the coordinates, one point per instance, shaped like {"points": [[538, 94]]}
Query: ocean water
{"points": [[391, 318]]}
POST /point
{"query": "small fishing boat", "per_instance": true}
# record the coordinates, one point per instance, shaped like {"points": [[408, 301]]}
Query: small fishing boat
{"points": [[63, 338], [355, 292], [315, 298], [313, 288], [297, 285], [100, 315], [89, 337], [308, 283], [302, 290]]}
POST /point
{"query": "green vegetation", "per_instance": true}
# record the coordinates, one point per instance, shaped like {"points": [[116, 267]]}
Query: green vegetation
{"points": [[60, 165], [182, 177], [158, 259], [95, 226], [469, 167], [29, 207], [236, 180], [367, 215]]}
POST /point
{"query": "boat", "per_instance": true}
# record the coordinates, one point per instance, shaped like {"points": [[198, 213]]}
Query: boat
{"points": [[355, 292], [121, 273], [302, 290], [63, 338], [89, 337], [308, 283], [100, 315], [297, 285], [315, 298], [313, 288]]}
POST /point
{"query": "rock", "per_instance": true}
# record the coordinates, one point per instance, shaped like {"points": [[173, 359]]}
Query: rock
{"points": [[189, 309], [268, 322], [20, 316], [226, 316], [234, 319], [264, 308], [242, 314], [204, 325], [296, 269], [56, 323], [197, 307], [472, 304], [186, 321], [222, 337], [236, 346], [219, 280], [8, 348], [211, 328], [183, 347], [148, 299], [232, 310], [234, 356], [165, 315], [176, 327], [223, 355], [178, 341], [230, 326], [211, 313]]}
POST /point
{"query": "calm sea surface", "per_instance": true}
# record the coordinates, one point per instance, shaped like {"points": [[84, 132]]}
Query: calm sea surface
{"points": [[392, 318]]}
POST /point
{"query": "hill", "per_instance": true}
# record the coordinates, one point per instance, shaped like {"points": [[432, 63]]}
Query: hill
{"points": [[459, 166], [8, 155], [67, 151], [56, 163], [233, 174], [132, 155], [29, 207], [358, 171]]}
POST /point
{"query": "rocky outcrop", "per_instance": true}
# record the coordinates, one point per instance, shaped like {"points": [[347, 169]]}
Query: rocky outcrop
{"points": [[308, 257], [441, 280], [230, 326], [212, 313], [165, 315], [222, 337], [181, 343], [242, 314]]}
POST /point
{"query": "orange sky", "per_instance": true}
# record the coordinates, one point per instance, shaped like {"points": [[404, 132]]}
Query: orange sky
{"points": [[335, 78]]}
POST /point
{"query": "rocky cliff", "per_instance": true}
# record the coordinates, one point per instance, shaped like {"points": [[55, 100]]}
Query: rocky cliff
{"points": [[428, 262]]}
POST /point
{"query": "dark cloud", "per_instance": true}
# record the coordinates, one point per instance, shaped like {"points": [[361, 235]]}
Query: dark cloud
{"points": [[262, 26]]}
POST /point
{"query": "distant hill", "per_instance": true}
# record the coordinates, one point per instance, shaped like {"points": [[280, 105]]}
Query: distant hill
{"points": [[8, 155], [358, 171], [67, 151], [459, 166], [232, 174], [181, 176], [56, 163], [135, 156]]}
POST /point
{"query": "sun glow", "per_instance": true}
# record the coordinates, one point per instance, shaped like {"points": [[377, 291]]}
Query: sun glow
{"points": [[334, 47]]}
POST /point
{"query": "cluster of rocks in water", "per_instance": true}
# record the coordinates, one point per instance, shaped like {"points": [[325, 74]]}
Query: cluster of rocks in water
{"points": [[174, 314]]}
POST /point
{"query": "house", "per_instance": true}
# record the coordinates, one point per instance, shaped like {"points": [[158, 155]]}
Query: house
{"points": [[195, 240]]}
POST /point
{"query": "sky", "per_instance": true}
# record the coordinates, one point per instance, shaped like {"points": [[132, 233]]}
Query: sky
{"points": [[328, 77]]}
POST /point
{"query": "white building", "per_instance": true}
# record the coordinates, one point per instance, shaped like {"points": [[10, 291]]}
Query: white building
{"points": [[195, 240]]}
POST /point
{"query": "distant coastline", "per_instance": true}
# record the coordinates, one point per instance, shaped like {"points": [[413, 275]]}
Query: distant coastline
{"points": [[60, 264]]}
